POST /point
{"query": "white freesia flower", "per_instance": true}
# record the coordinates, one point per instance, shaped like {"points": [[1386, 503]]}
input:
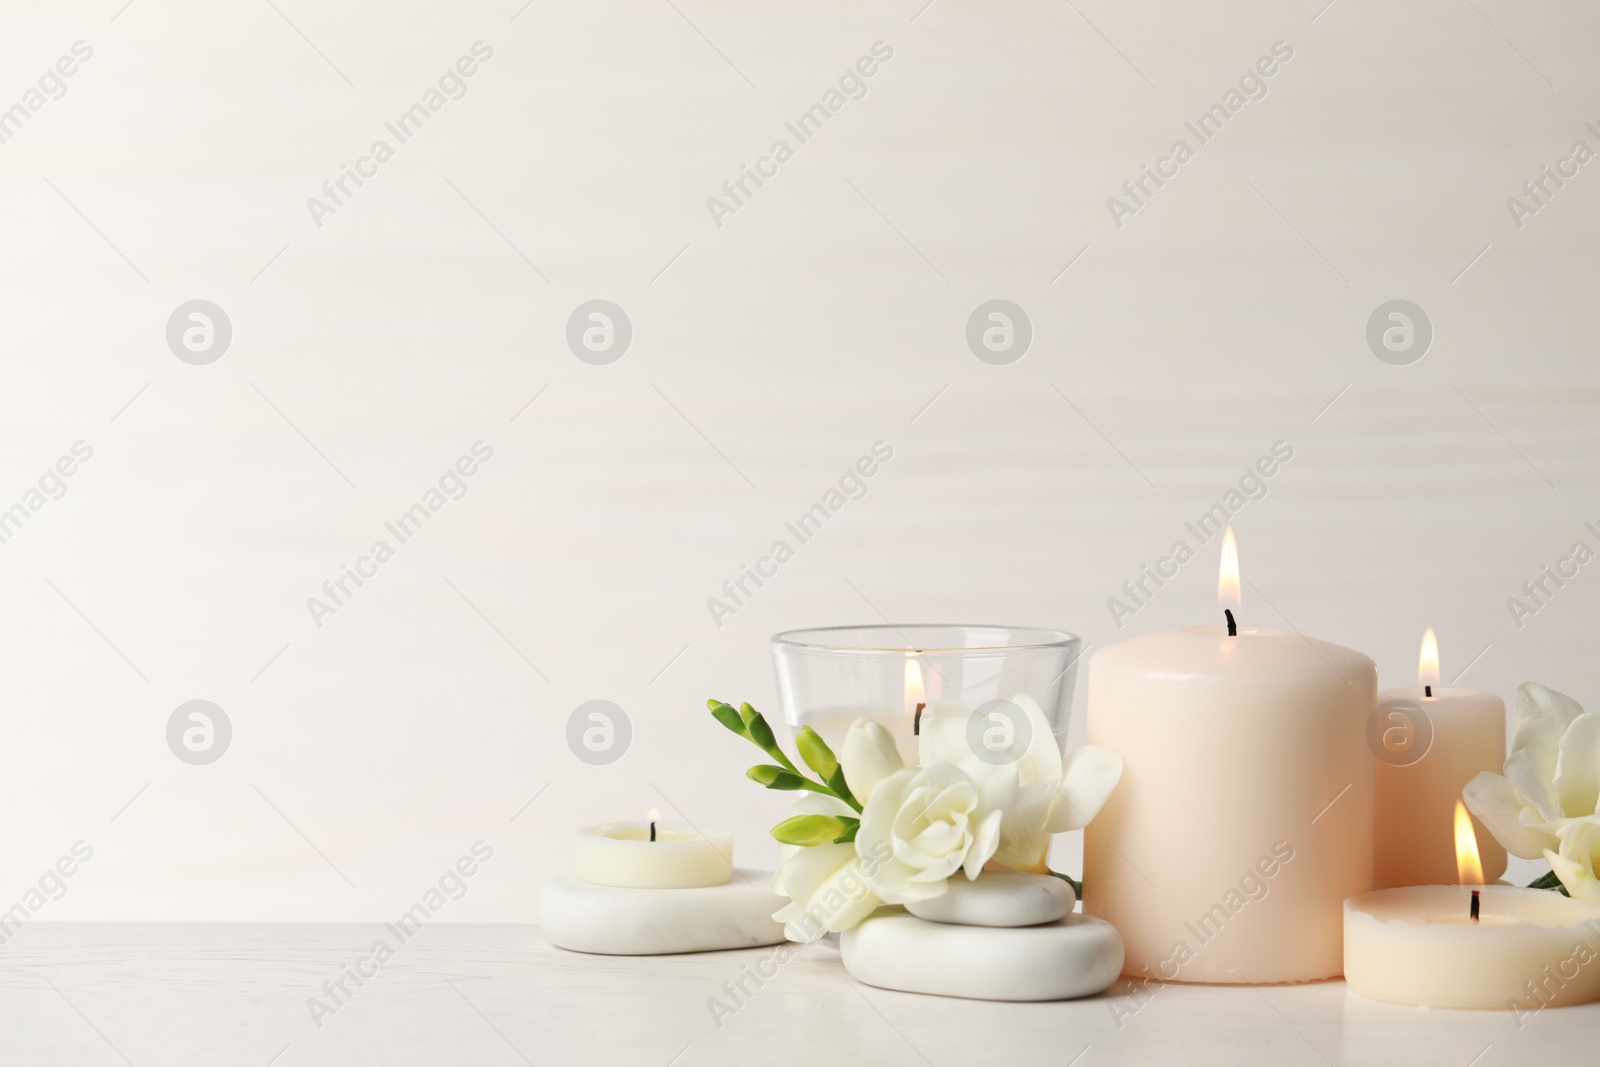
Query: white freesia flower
{"points": [[1552, 779], [1052, 796], [825, 884], [868, 756], [1576, 860], [930, 822], [920, 825]]}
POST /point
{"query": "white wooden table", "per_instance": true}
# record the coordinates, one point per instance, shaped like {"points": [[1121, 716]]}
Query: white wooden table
{"points": [[145, 994]]}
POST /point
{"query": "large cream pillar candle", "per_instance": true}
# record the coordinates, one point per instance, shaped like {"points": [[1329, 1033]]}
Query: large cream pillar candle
{"points": [[1430, 742], [1244, 815]]}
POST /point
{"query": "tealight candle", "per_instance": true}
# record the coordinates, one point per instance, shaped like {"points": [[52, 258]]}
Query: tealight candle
{"points": [[1430, 742], [1458, 946], [650, 888], [654, 855]]}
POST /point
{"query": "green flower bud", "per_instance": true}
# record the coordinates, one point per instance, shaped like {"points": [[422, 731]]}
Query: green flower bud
{"points": [[775, 777], [727, 717], [809, 830], [756, 726], [815, 751]]}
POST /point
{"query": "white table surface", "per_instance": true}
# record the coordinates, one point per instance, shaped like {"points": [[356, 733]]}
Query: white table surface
{"points": [[193, 994]]}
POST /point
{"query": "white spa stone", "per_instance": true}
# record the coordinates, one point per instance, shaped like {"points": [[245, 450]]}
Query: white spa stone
{"points": [[648, 922], [999, 898], [1075, 957]]}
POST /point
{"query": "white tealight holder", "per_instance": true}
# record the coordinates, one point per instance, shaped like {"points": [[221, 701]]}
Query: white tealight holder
{"points": [[646, 889]]}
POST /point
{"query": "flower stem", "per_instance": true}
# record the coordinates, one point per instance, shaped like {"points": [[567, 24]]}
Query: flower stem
{"points": [[1549, 880], [1077, 886]]}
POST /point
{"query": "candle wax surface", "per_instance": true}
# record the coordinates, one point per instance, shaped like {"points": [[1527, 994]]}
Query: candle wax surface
{"points": [[1532, 948], [682, 856], [1244, 815], [1415, 792]]}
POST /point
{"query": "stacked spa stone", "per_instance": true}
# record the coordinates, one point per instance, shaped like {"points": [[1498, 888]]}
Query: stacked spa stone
{"points": [[1005, 936]]}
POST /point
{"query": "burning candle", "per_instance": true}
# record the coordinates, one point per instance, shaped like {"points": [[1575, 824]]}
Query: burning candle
{"points": [[916, 699], [653, 887], [654, 855], [1471, 945], [1244, 815], [1429, 743]]}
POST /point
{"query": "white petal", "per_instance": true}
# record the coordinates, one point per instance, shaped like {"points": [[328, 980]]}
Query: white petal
{"points": [[1577, 878], [1042, 761], [939, 873], [1543, 716], [1024, 838], [807, 803], [998, 791], [896, 883], [1532, 771], [985, 841], [805, 869], [839, 902], [1577, 776], [849, 884], [1495, 802], [943, 735], [1537, 704], [875, 837], [1087, 778], [853, 912], [868, 756]]}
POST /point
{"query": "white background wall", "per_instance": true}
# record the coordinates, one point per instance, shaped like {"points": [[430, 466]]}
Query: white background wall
{"points": [[826, 314]]}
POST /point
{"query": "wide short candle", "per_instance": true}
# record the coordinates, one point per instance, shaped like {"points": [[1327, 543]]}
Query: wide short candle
{"points": [[1244, 816], [654, 855], [1514, 949], [656, 888], [1430, 742], [1531, 948]]}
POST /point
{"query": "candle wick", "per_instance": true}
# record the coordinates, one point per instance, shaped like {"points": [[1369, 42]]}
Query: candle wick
{"points": [[1474, 912], [916, 721], [1427, 690], [1233, 627], [652, 831]]}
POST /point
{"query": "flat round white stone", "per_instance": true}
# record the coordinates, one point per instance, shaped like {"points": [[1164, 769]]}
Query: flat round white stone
{"points": [[999, 898], [1074, 957], [614, 921]]}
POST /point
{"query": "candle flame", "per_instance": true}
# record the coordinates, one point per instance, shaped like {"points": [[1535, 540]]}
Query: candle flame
{"points": [[654, 816], [1428, 661], [1467, 864], [915, 692], [1228, 573]]}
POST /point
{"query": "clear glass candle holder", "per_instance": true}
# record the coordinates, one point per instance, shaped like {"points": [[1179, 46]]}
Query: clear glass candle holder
{"points": [[831, 676]]}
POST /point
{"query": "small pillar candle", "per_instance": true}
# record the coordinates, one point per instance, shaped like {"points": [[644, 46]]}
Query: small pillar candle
{"points": [[1429, 743]]}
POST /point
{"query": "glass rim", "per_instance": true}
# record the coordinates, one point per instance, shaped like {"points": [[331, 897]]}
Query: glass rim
{"points": [[802, 640]]}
